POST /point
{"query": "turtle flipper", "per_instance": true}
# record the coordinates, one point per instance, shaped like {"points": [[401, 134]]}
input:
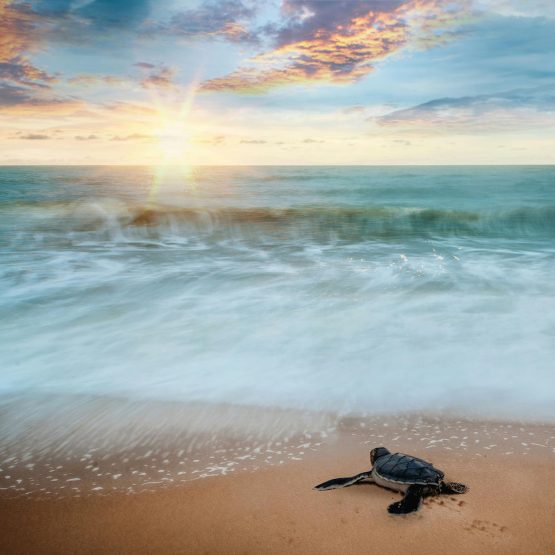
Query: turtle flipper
{"points": [[409, 503], [343, 482], [452, 488]]}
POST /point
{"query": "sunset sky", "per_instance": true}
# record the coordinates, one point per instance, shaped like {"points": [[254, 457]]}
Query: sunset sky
{"points": [[277, 82]]}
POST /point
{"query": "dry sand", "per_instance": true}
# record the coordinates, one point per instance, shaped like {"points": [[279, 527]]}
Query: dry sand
{"points": [[273, 509]]}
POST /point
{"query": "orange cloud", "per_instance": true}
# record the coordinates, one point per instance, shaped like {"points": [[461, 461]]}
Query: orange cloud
{"points": [[18, 30], [24, 88], [21, 32], [345, 52], [49, 106]]}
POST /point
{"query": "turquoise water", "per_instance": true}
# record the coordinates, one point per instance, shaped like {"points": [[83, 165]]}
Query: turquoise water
{"points": [[370, 289]]}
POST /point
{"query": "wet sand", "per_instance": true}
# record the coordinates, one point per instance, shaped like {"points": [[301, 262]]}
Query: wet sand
{"points": [[268, 505]]}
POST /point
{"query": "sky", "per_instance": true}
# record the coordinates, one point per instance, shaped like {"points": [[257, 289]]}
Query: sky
{"points": [[196, 82]]}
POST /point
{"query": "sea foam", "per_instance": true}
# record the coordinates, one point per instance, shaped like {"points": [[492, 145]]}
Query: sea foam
{"points": [[347, 289]]}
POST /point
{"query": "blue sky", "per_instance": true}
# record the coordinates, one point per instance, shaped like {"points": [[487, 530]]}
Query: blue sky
{"points": [[277, 81]]}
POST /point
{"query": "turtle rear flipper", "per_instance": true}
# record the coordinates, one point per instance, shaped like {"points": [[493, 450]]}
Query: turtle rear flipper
{"points": [[409, 503], [343, 482], [452, 488]]}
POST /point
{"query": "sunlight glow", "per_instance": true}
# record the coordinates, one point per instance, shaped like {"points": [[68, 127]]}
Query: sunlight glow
{"points": [[174, 141]]}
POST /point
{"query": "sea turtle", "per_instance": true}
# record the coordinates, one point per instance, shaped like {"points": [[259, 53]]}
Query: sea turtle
{"points": [[412, 476]]}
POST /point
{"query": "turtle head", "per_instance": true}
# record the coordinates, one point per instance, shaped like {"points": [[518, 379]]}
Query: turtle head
{"points": [[378, 452]]}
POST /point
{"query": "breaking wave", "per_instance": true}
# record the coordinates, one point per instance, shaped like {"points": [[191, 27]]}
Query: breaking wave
{"points": [[316, 223]]}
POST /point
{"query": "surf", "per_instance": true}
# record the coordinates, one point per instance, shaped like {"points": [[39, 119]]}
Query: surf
{"points": [[347, 290]]}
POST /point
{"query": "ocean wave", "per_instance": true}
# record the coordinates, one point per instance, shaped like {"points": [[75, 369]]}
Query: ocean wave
{"points": [[363, 292], [319, 223]]}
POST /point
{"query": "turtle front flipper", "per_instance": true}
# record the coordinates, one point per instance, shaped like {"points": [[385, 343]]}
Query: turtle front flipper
{"points": [[409, 503], [343, 482], [452, 488]]}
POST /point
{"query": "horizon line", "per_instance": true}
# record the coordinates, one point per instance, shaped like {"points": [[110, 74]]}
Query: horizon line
{"points": [[550, 164]]}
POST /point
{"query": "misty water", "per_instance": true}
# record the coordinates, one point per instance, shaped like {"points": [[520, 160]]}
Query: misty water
{"points": [[350, 289]]}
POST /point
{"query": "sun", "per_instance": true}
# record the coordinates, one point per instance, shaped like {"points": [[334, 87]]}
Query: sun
{"points": [[175, 152], [172, 128], [174, 142]]}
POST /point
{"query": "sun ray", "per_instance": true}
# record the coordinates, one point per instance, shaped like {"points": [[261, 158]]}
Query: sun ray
{"points": [[173, 140]]}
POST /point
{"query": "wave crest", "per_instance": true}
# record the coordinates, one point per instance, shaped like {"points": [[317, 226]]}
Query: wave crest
{"points": [[348, 223]]}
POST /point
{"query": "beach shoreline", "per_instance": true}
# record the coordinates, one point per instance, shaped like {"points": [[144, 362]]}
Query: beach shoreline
{"points": [[266, 503]]}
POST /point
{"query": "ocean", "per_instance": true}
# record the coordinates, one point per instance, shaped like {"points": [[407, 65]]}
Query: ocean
{"points": [[349, 289]]}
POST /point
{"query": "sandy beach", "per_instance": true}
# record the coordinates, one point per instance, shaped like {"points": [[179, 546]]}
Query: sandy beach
{"points": [[268, 505]]}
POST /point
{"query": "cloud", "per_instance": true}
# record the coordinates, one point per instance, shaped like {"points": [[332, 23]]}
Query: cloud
{"points": [[35, 137], [312, 141], [17, 99], [20, 70], [144, 65], [85, 21], [28, 25], [12, 95], [214, 141], [86, 137], [341, 41], [132, 137], [156, 76], [161, 78], [353, 110], [518, 8], [78, 21], [130, 109], [22, 32], [212, 19], [112, 15], [253, 141], [86, 80], [304, 19], [508, 109]]}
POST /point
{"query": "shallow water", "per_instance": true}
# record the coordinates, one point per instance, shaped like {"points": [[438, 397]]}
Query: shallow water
{"points": [[353, 289], [74, 446]]}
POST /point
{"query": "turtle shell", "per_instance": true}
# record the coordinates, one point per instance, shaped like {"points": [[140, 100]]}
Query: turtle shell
{"points": [[398, 467]]}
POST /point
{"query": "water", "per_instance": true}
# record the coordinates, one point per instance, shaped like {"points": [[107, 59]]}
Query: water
{"points": [[353, 289]]}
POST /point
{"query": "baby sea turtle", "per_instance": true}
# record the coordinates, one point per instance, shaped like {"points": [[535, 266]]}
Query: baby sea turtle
{"points": [[414, 477]]}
